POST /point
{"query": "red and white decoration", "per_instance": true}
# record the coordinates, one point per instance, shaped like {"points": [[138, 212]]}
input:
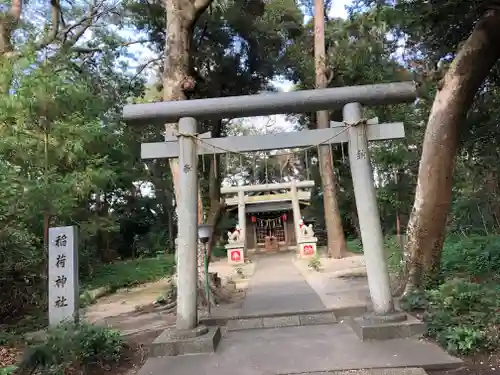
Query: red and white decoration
{"points": [[235, 255], [307, 243], [307, 249]]}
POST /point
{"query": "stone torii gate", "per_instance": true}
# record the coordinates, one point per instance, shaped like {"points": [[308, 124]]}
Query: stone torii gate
{"points": [[354, 130]]}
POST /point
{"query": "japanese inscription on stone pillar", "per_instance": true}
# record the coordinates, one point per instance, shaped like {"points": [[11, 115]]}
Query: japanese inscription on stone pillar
{"points": [[63, 275]]}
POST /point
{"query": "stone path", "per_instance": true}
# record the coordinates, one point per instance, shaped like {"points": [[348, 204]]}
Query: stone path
{"points": [[341, 283], [294, 350], [277, 286]]}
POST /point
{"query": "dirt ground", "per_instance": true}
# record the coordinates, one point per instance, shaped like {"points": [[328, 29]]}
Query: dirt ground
{"points": [[481, 364]]}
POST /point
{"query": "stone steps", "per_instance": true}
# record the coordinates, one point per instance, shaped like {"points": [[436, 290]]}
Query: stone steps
{"points": [[384, 371], [289, 320], [307, 317]]}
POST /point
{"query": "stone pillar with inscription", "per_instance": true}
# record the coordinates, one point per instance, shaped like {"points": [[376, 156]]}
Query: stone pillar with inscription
{"points": [[63, 275], [368, 214]]}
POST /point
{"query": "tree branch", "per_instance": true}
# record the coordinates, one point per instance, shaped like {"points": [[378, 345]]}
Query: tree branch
{"points": [[81, 49], [142, 68]]}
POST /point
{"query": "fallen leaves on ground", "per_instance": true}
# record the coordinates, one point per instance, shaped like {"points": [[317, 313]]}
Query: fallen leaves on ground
{"points": [[9, 356]]}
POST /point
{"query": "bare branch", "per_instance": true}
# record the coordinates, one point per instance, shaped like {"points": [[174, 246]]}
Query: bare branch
{"points": [[79, 49], [143, 67]]}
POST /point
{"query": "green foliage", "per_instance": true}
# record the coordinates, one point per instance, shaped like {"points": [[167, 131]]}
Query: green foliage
{"points": [[474, 256], [315, 263], [132, 272], [462, 313], [65, 158], [219, 252], [463, 316], [8, 370], [77, 346], [414, 301], [153, 243], [355, 246]]}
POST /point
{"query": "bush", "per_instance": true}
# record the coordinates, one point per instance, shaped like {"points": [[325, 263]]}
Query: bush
{"points": [[315, 262], [475, 256], [76, 346], [8, 370], [462, 316], [414, 301], [219, 252]]}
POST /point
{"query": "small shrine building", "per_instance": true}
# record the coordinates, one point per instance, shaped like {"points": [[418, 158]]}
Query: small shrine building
{"points": [[269, 215]]}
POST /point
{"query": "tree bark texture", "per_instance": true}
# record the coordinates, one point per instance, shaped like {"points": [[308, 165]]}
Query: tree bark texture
{"points": [[426, 227], [216, 203], [335, 233], [181, 18]]}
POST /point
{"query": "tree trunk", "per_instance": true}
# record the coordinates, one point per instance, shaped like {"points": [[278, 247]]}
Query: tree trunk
{"points": [[9, 21], [335, 233], [216, 203], [426, 227], [181, 18]]}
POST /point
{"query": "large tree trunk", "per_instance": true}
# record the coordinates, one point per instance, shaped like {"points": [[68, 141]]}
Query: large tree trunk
{"points": [[9, 21], [216, 203], [426, 227], [335, 233], [181, 18]]}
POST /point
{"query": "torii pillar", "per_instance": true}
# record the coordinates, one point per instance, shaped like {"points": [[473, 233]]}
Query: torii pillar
{"points": [[295, 210], [242, 222]]}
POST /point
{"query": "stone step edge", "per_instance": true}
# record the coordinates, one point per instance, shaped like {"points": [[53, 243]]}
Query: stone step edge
{"points": [[341, 312], [282, 321], [374, 371]]}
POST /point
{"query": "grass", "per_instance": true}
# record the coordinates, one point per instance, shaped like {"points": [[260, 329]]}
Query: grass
{"points": [[128, 273]]}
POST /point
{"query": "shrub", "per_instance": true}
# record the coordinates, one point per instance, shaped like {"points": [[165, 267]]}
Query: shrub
{"points": [[75, 346], [462, 316], [8, 370], [414, 301], [475, 256], [219, 252], [315, 262]]}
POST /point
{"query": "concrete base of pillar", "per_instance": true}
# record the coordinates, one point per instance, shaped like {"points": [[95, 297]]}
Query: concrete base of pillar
{"points": [[173, 342], [393, 326]]}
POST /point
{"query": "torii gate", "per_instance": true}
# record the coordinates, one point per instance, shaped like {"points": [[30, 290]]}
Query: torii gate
{"points": [[354, 130]]}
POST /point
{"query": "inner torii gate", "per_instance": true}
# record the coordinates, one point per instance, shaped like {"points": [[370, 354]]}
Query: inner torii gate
{"points": [[187, 145], [293, 196]]}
